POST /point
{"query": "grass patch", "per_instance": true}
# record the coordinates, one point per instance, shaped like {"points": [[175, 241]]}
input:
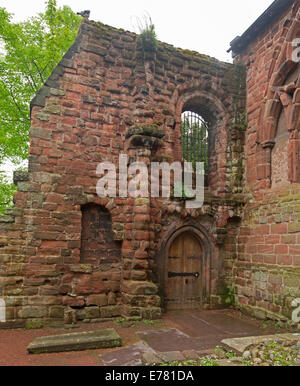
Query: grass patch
{"points": [[202, 362]]}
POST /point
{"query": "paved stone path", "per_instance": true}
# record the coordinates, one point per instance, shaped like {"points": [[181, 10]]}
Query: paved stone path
{"points": [[170, 340], [196, 334], [128, 356], [209, 327], [213, 326]]}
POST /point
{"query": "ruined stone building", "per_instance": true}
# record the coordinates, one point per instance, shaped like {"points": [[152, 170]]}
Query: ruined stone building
{"points": [[67, 253]]}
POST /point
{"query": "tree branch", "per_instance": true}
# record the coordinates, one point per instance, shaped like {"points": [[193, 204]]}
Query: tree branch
{"points": [[16, 103], [38, 70]]}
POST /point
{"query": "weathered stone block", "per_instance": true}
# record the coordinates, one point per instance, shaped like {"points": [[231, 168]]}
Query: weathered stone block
{"points": [[20, 175], [151, 359], [171, 356], [145, 130], [110, 311], [56, 312], [7, 219], [138, 275], [151, 313], [112, 299], [40, 133], [129, 311], [34, 324], [140, 288], [76, 301], [75, 342], [97, 300], [81, 268], [28, 312], [141, 300], [92, 312], [53, 109]]}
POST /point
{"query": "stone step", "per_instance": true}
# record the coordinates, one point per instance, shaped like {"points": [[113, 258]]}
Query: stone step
{"points": [[76, 341], [240, 345]]}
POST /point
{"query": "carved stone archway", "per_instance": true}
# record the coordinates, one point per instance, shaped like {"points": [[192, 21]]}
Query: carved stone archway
{"points": [[207, 264], [281, 96]]}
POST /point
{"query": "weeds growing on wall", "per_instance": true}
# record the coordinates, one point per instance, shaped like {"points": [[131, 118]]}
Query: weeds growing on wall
{"points": [[147, 34]]}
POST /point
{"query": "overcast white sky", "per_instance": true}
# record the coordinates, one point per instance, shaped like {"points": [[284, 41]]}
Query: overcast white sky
{"points": [[206, 26]]}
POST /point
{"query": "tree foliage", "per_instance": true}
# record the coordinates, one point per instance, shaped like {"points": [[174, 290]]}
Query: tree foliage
{"points": [[194, 142], [7, 190], [29, 51]]}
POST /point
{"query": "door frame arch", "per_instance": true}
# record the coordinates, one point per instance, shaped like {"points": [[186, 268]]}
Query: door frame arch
{"points": [[203, 238]]}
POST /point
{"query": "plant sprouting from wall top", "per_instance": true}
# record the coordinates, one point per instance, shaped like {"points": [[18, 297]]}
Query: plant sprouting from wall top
{"points": [[147, 33]]}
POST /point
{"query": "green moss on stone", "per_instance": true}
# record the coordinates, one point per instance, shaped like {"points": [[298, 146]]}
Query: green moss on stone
{"points": [[141, 201], [149, 130], [34, 324]]}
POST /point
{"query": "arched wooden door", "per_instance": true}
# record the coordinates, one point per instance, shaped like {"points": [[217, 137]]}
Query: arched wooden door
{"points": [[184, 273]]}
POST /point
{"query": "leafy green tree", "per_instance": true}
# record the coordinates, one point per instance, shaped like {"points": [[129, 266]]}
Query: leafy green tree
{"points": [[7, 190], [29, 51]]}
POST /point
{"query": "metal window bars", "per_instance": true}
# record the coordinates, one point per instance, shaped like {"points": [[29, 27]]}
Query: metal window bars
{"points": [[194, 139]]}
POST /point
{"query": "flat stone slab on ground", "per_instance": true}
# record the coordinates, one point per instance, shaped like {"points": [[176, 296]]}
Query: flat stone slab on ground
{"points": [[230, 362], [212, 326], [171, 356], [239, 345], [105, 338], [170, 340], [128, 356], [151, 359], [190, 354]]}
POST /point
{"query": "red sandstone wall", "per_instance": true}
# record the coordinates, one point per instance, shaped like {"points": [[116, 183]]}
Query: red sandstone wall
{"points": [[266, 265], [104, 86]]}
